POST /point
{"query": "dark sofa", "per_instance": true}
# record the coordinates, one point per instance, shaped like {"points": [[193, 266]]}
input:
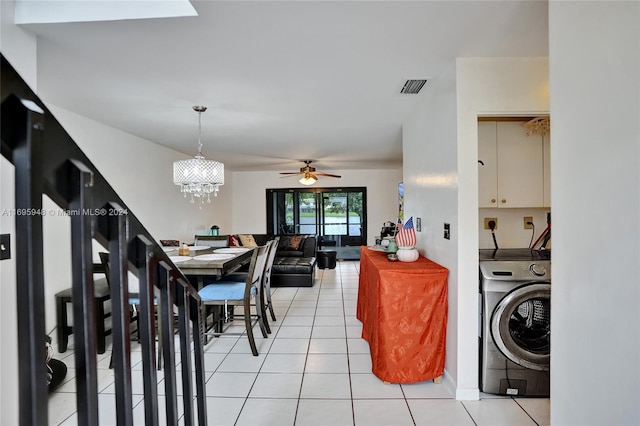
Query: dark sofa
{"points": [[292, 266]]}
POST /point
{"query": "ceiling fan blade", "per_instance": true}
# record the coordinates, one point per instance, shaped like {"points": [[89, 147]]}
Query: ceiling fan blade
{"points": [[309, 171]]}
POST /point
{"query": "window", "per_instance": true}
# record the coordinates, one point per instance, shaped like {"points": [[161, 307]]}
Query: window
{"points": [[336, 215]]}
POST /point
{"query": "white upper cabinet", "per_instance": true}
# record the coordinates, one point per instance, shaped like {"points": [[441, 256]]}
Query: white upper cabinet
{"points": [[487, 164], [513, 172]]}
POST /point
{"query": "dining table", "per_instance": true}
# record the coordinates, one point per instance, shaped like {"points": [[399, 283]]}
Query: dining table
{"points": [[203, 261], [211, 264]]}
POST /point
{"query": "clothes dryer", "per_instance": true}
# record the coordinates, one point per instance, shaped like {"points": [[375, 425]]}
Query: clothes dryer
{"points": [[515, 326]]}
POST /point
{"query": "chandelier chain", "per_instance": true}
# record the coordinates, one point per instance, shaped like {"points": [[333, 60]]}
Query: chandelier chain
{"points": [[199, 132]]}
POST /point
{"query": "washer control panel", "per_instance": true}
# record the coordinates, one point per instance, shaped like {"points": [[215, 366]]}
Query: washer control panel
{"points": [[515, 270]]}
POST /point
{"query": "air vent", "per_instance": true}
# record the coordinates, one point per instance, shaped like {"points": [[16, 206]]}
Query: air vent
{"points": [[411, 87]]}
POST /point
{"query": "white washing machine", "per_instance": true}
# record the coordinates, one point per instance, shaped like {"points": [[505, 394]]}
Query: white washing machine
{"points": [[515, 333]]}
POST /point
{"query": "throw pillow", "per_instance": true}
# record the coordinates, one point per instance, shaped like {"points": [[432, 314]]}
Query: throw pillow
{"points": [[234, 241], [247, 240], [294, 242], [283, 244]]}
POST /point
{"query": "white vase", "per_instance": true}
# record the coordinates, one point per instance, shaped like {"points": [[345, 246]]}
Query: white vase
{"points": [[407, 254]]}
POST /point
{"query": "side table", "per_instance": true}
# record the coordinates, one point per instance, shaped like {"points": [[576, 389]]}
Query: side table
{"points": [[326, 259], [403, 310]]}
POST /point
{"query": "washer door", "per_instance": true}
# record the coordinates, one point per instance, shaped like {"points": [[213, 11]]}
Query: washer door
{"points": [[521, 326]]}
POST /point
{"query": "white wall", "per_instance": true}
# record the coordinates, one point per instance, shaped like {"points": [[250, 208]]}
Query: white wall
{"points": [[595, 171], [18, 45], [431, 189], [443, 130], [249, 196], [8, 313]]}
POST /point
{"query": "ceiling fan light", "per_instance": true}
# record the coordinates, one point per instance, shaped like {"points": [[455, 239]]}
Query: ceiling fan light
{"points": [[308, 179]]}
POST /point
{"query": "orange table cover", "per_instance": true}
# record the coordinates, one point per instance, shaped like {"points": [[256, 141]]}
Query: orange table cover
{"points": [[403, 310]]}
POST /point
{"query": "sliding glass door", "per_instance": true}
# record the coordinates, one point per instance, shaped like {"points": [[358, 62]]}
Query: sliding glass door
{"points": [[337, 216]]}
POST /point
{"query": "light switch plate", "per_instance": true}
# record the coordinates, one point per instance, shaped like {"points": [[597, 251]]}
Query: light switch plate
{"points": [[418, 224], [447, 231], [5, 246]]}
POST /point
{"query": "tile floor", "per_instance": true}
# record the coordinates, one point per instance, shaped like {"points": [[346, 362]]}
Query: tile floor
{"points": [[314, 369]]}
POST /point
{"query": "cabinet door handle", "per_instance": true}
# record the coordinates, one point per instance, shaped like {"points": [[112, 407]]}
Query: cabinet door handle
{"points": [[493, 200], [504, 200]]}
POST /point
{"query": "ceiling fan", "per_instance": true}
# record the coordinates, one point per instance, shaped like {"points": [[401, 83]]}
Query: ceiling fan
{"points": [[309, 174]]}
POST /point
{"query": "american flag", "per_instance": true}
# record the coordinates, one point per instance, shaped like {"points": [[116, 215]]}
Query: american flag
{"points": [[406, 236]]}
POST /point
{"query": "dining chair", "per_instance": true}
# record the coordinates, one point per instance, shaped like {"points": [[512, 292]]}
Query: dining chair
{"points": [[266, 279], [228, 293], [134, 302], [215, 241], [265, 287], [101, 296]]}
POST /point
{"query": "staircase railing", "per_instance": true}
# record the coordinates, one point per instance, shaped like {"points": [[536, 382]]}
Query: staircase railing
{"points": [[48, 161]]}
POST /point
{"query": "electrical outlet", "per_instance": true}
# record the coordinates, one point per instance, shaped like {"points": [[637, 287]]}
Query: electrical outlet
{"points": [[489, 219], [526, 221]]}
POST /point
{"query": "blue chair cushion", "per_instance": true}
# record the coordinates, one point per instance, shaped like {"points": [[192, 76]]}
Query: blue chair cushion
{"points": [[224, 290], [136, 301]]}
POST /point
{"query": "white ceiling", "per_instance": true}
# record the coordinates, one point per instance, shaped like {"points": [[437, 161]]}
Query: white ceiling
{"points": [[283, 81]]}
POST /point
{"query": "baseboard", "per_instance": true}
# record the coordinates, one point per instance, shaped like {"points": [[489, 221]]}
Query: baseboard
{"points": [[462, 394], [471, 394], [447, 381]]}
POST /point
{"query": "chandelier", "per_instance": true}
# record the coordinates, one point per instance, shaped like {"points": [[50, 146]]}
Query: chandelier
{"points": [[199, 177]]}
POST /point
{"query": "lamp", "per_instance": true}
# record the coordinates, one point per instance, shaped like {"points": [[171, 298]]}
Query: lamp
{"points": [[197, 176], [308, 179]]}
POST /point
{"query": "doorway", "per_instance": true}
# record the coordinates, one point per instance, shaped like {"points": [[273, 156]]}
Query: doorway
{"points": [[337, 216]]}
